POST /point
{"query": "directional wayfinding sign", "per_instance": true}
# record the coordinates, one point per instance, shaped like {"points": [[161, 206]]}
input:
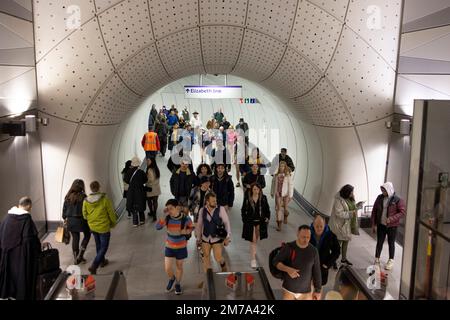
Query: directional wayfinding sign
{"points": [[213, 92]]}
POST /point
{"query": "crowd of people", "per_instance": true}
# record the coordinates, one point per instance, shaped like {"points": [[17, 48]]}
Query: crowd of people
{"points": [[202, 198]]}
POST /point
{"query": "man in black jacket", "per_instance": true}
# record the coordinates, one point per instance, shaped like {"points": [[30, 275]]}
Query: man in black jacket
{"points": [[181, 183], [282, 156], [20, 250], [326, 243], [223, 187]]}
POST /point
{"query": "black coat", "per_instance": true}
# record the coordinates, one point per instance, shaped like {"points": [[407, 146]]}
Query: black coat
{"points": [[221, 157], [20, 249], [261, 212], [224, 190], [177, 183], [136, 194], [252, 178], [74, 215], [329, 251]]}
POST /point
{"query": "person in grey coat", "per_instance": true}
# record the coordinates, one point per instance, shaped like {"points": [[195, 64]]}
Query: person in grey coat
{"points": [[344, 209]]}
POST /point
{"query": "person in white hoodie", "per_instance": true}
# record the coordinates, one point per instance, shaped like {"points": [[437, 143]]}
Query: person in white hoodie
{"points": [[283, 191], [387, 211], [20, 250]]}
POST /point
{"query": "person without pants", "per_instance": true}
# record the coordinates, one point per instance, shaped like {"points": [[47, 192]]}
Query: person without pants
{"points": [[326, 244], [209, 218], [101, 217], [283, 191], [299, 260], [136, 196], [73, 214], [178, 226], [20, 250], [255, 217], [387, 212]]}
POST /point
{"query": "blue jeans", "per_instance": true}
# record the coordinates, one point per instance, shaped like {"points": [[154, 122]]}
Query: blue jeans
{"points": [[102, 244]]}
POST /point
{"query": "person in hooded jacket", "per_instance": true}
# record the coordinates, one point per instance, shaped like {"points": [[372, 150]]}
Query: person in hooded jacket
{"points": [[20, 250], [387, 212], [326, 244], [136, 197], [73, 212], [101, 217], [255, 213]]}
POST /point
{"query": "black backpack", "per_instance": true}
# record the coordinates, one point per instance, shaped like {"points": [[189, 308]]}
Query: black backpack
{"points": [[183, 223], [273, 269]]}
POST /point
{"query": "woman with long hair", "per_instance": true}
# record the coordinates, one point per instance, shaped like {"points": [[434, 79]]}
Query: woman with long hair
{"points": [[255, 216], [153, 187], [73, 212], [283, 191], [126, 185]]}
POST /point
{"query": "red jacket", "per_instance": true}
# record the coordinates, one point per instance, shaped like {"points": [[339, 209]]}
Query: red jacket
{"points": [[396, 210]]}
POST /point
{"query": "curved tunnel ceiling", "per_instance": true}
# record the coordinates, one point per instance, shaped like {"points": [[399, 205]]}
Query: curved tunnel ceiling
{"points": [[328, 57]]}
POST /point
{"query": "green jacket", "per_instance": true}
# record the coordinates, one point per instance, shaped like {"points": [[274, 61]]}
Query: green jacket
{"points": [[99, 213]]}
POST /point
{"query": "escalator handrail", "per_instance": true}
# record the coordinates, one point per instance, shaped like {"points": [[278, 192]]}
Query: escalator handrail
{"points": [[266, 285], [211, 286], [353, 277]]}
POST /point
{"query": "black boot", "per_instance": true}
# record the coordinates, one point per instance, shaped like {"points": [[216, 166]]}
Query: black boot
{"points": [[81, 258]]}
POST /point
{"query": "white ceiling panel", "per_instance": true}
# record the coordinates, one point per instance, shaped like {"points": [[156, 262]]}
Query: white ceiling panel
{"points": [[272, 17], [70, 75], [114, 101], [377, 22], [22, 28], [169, 16], [229, 12], [126, 29], [103, 5], [362, 78], [259, 64], [315, 34], [325, 106], [337, 8], [220, 45], [143, 70], [181, 50], [295, 75], [55, 20]]}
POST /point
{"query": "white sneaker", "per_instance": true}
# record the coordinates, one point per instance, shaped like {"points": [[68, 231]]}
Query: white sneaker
{"points": [[253, 264], [389, 264], [377, 261]]}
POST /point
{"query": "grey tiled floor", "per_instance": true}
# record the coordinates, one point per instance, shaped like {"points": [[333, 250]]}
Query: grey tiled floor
{"points": [[139, 252]]}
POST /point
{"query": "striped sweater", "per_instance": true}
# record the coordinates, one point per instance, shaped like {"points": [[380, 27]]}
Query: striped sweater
{"points": [[175, 240]]}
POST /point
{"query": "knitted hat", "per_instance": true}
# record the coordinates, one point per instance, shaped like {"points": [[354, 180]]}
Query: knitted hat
{"points": [[135, 162]]}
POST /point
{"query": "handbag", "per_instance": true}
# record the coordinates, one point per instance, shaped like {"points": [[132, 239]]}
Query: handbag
{"points": [[62, 234], [48, 259]]}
